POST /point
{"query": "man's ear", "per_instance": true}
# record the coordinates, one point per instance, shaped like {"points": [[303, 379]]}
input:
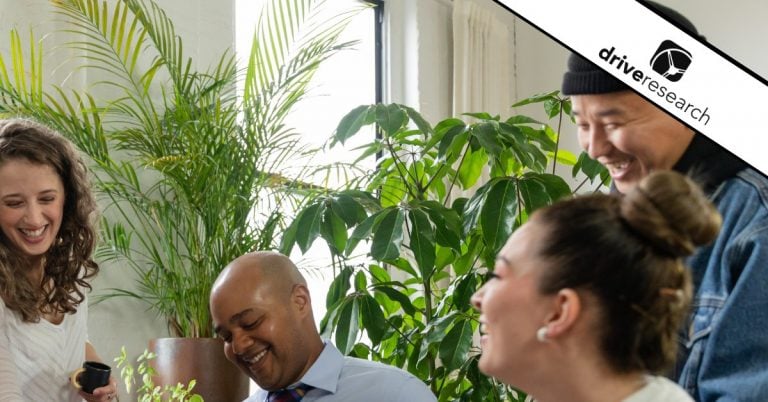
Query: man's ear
{"points": [[300, 299], [566, 311]]}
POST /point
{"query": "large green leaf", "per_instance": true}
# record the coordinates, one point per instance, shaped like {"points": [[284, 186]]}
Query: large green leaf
{"points": [[289, 236], [333, 230], [373, 319], [464, 290], [419, 120], [351, 123], [455, 346], [339, 287], [378, 274], [452, 144], [422, 242], [437, 329], [388, 236], [396, 295], [487, 135], [390, 118], [552, 107], [499, 212], [309, 226], [472, 167], [474, 207], [447, 223], [348, 324], [361, 282], [521, 119], [537, 98], [394, 190], [589, 166], [349, 209], [362, 231], [540, 189], [441, 130]]}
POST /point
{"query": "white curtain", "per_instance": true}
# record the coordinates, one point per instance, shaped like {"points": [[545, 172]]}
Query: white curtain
{"points": [[482, 59], [483, 63]]}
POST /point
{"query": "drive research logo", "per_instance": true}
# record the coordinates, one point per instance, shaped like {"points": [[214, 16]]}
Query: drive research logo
{"points": [[613, 58], [671, 60]]}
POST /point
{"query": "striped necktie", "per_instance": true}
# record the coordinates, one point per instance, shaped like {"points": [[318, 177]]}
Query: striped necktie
{"points": [[289, 394]]}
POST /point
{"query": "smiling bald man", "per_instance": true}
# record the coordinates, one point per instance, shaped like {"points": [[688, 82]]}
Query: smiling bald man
{"points": [[262, 310]]}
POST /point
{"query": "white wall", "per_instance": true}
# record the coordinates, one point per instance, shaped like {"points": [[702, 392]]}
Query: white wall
{"points": [[737, 27]]}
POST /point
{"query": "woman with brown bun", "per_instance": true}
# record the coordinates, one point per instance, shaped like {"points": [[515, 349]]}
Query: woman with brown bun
{"points": [[47, 237], [586, 299]]}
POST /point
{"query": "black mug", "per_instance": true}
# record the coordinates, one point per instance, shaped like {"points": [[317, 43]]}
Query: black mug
{"points": [[91, 376]]}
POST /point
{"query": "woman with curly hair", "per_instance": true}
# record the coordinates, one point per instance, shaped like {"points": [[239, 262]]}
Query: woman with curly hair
{"points": [[586, 299], [47, 237]]}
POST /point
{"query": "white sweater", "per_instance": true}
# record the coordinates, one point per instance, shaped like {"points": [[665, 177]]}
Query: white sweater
{"points": [[36, 359], [659, 389]]}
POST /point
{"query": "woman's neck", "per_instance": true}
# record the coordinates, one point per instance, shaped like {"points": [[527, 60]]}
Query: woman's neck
{"points": [[36, 270], [588, 383]]}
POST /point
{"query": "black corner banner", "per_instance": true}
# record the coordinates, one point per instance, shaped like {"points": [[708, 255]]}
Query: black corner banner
{"points": [[694, 81]]}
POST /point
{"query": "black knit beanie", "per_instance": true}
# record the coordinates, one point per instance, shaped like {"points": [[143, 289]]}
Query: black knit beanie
{"points": [[584, 77]]}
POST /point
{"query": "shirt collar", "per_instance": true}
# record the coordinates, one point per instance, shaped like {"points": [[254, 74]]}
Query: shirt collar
{"points": [[324, 372]]}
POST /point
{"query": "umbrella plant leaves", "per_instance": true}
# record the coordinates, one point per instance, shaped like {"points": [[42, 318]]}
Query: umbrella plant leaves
{"points": [[499, 213], [388, 236], [422, 242], [351, 123]]}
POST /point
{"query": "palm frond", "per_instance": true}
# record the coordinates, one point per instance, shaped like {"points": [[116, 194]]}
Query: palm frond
{"points": [[186, 166]]}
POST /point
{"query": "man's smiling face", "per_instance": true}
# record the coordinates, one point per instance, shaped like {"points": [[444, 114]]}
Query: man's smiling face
{"points": [[628, 135], [260, 322]]}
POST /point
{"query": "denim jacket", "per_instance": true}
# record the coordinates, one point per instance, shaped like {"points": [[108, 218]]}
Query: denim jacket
{"points": [[724, 344]]}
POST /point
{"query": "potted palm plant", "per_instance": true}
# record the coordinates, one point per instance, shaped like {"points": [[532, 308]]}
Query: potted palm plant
{"points": [[188, 167]]}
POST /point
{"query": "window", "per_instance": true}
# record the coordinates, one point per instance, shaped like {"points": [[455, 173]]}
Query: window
{"points": [[346, 80]]}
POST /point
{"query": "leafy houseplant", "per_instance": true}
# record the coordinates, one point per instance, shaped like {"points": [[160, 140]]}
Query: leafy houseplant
{"points": [[186, 165], [148, 391], [417, 315]]}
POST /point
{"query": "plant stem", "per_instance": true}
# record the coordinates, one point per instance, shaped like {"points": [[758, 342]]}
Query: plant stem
{"points": [[431, 364], [557, 143], [456, 176], [399, 167], [583, 182], [434, 176]]}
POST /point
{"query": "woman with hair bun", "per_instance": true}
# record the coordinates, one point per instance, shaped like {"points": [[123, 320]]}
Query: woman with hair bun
{"points": [[586, 299]]}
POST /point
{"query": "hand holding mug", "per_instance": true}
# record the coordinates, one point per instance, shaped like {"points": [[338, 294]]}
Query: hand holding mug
{"points": [[92, 376]]}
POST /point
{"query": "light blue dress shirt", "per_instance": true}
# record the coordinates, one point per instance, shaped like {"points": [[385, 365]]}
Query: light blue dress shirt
{"points": [[341, 378]]}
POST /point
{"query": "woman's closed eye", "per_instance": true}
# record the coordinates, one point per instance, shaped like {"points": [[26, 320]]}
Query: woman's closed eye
{"points": [[490, 275]]}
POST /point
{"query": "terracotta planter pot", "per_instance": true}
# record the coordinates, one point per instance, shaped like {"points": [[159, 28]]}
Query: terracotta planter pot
{"points": [[180, 360]]}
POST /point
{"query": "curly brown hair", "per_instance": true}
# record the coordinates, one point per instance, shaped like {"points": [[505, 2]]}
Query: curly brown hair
{"points": [[68, 263]]}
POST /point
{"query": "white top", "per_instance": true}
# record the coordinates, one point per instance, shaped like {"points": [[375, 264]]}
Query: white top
{"points": [[659, 389], [36, 359], [347, 379]]}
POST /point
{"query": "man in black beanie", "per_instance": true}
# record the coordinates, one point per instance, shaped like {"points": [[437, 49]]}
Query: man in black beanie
{"points": [[724, 349]]}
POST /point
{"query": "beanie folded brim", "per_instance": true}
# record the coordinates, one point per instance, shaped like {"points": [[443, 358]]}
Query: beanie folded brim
{"points": [[595, 81]]}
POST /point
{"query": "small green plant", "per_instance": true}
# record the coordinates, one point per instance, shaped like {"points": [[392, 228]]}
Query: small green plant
{"points": [[148, 391]]}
